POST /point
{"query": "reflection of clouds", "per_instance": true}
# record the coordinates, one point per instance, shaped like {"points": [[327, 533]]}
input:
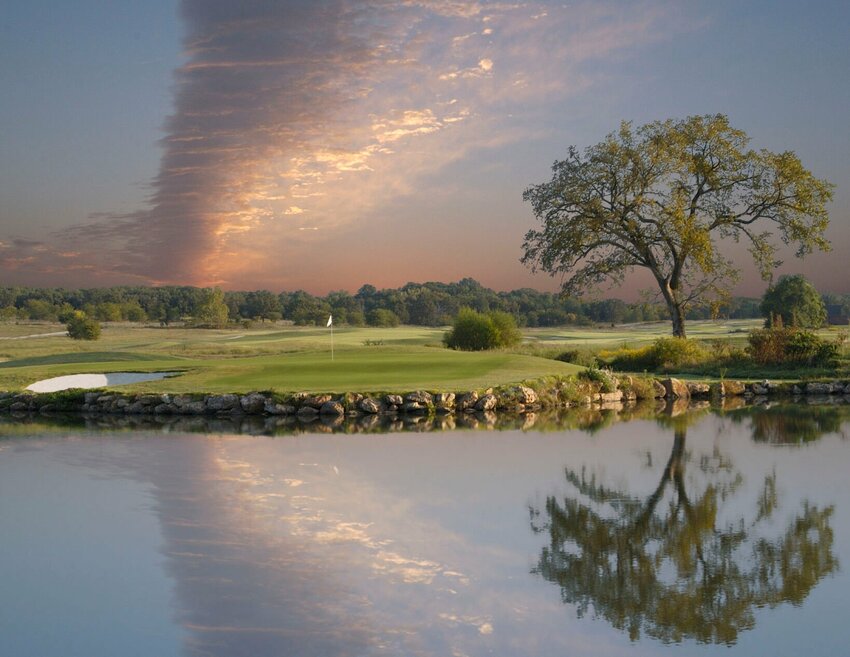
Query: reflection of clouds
{"points": [[340, 105]]}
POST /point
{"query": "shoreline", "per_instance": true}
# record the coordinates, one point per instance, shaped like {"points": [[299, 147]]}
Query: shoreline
{"points": [[530, 397]]}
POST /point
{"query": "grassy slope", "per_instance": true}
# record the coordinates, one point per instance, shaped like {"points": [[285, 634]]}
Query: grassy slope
{"points": [[282, 359]]}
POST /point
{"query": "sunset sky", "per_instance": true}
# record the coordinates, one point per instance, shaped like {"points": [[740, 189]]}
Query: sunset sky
{"points": [[326, 144]]}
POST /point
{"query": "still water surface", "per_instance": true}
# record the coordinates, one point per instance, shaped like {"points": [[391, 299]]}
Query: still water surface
{"points": [[708, 533]]}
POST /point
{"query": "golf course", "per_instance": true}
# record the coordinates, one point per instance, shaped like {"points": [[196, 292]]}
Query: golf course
{"points": [[286, 358], [281, 359]]}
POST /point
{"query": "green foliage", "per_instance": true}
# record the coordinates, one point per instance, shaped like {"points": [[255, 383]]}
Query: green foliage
{"points": [[667, 354], [796, 301], [504, 324], [382, 317], [474, 331], [780, 345], [212, 312], [662, 197], [583, 357], [81, 327], [603, 377]]}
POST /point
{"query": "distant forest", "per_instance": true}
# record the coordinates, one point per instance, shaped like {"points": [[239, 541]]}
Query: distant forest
{"points": [[424, 304]]}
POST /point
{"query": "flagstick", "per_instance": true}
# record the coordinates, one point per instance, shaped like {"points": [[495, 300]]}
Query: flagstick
{"points": [[332, 341]]}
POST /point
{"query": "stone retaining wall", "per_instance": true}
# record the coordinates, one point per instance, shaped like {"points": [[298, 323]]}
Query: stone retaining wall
{"points": [[516, 399]]}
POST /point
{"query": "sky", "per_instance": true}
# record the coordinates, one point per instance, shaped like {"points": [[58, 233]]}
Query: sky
{"points": [[325, 144]]}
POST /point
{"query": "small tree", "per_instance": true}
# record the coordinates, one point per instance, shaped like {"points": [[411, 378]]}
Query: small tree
{"points": [[82, 327], [796, 301], [662, 197], [212, 311]]}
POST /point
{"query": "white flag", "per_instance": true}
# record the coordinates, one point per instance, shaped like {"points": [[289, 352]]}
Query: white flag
{"points": [[330, 320]]}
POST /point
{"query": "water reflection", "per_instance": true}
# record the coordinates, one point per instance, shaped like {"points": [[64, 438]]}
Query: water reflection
{"points": [[676, 564], [792, 424], [678, 526], [784, 423]]}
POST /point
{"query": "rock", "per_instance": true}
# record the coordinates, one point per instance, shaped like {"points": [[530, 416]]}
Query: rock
{"points": [[760, 389], [444, 401], [351, 399], [149, 400], [486, 403], [467, 401], [135, 408], [194, 408], [332, 408], [217, 403], [274, 408], [369, 405], [164, 409], [697, 389], [419, 397], [307, 412], [660, 392], [817, 388], [316, 401], [611, 397], [91, 397], [675, 389], [394, 400], [414, 407], [252, 403], [18, 406], [732, 388]]}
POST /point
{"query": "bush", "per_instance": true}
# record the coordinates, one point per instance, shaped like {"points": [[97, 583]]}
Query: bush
{"points": [[474, 331], [780, 344], [507, 333], [81, 327], [583, 357], [603, 377], [663, 354]]}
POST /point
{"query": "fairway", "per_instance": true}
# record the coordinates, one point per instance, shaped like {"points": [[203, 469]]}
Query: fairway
{"points": [[275, 358], [639, 334]]}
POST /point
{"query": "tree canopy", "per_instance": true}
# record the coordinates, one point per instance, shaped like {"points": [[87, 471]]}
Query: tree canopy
{"points": [[796, 301], [662, 197]]}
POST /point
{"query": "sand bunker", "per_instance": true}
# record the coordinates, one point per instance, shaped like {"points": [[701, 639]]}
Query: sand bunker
{"points": [[95, 380]]}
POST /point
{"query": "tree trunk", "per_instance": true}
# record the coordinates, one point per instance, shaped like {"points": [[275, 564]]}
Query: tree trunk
{"points": [[674, 306], [677, 315]]}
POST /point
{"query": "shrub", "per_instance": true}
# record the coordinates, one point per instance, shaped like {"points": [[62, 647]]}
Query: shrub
{"points": [[474, 331], [603, 377], [507, 333], [583, 357], [780, 344], [663, 354], [81, 327]]}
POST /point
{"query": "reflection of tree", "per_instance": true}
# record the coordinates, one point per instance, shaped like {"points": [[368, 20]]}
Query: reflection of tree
{"points": [[791, 424], [668, 565]]}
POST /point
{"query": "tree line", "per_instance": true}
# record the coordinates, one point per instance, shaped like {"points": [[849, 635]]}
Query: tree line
{"points": [[423, 304]]}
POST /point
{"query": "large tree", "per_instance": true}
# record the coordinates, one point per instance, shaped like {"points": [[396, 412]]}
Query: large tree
{"points": [[662, 197]]}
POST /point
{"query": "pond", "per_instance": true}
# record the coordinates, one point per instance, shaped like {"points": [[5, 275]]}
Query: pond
{"points": [[708, 532]]}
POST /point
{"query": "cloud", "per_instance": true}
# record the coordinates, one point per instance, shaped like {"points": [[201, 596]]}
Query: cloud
{"points": [[291, 109]]}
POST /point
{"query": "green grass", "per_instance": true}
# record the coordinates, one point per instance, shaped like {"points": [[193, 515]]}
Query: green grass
{"points": [[639, 334], [287, 358], [283, 359]]}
